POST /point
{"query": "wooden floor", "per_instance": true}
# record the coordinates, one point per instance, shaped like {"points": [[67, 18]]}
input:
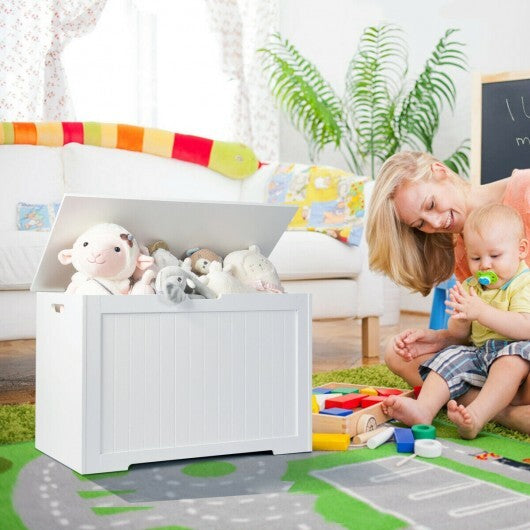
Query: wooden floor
{"points": [[336, 346]]}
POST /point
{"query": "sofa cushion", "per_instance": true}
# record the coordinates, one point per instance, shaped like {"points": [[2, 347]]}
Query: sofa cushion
{"points": [[93, 170], [20, 253], [30, 174], [309, 255]]}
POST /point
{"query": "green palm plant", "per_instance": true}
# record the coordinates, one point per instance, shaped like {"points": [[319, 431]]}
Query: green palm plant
{"points": [[381, 112]]}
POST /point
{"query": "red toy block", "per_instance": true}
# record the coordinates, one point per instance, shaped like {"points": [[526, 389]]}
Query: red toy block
{"points": [[347, 401], [389, 391], [417, 390], [371, 400]]}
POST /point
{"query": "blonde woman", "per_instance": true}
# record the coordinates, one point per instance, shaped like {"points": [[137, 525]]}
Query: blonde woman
{"points": [[416, 217]]}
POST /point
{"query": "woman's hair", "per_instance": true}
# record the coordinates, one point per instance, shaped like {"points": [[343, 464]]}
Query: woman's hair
{"points": [[408, 256]]}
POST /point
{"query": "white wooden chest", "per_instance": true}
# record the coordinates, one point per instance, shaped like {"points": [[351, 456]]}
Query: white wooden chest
{"points": [[131, 379]]}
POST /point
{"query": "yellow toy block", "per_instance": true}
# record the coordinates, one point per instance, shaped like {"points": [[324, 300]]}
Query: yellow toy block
{"points": [[314, 404], [369, 391], [330, 442]]}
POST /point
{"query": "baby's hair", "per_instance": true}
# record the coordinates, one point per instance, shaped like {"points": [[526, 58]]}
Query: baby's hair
{"points": [[482, 219]]}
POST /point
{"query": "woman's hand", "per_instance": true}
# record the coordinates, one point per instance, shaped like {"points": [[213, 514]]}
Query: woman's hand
{"points": [[413, 343]]}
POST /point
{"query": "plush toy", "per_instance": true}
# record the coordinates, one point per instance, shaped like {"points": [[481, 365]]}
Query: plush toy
{"points": [[105, 256], [201, 259], [179, 283], [223, 281], [143, 280], [164, 258], [231, 159], [254, 270]]}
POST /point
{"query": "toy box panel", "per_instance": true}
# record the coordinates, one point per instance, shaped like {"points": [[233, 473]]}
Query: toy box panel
{"points": [[355, 423]]}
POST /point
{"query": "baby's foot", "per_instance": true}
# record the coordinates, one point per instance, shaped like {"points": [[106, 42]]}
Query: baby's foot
{"points": [[466, 422], [405, 409]]}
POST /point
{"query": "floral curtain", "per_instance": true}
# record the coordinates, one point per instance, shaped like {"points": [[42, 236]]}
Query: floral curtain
{"points": [[243, 26], [33, 34]]}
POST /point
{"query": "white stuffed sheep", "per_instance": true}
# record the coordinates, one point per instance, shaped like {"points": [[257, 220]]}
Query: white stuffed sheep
{"points": [[253, 269], [105, 256]]}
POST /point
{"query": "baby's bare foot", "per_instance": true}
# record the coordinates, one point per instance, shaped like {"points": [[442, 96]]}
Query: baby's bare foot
{"points": [[466, 422], [405, 409]]}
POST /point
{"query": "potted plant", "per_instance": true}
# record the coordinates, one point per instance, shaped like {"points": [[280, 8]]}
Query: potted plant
{"points": [[382, 111]]}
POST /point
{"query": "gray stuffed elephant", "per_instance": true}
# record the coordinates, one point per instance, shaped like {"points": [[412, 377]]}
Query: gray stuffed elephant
{"points": [[178, 284]]}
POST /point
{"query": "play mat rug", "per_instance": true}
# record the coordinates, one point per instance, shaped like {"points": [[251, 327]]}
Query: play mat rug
{"points": [[484, 483], [329, 200]]}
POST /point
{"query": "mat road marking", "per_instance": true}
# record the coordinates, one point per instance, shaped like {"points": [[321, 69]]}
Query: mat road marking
{"points": [[427, 495]]}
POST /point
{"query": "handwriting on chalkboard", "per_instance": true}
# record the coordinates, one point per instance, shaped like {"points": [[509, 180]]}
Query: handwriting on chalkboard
{"points": [[522, 107], [519, 140]]}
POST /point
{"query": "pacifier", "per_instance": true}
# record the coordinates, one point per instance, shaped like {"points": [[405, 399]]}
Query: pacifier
{"points": [[486, 277]]}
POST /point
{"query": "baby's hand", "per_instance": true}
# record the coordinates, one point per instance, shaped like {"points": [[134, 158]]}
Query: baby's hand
{"points": [[464, 305]]}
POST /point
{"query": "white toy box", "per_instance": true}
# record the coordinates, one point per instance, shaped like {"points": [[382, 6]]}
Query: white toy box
{"points": [[130, 379]]}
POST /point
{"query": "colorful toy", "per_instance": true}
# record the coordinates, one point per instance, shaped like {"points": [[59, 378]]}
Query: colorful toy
{"points": [[368, 401], [346, 390], [423, 432], [314, 405], [486, 277], [345, 401], [369, 391], [231, 159], [404, 440], [336, 411], [360, 421], [321, 391], [330, 442]]}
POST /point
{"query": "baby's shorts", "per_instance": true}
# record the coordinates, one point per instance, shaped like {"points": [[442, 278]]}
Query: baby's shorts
{"points": [[463, 366]]}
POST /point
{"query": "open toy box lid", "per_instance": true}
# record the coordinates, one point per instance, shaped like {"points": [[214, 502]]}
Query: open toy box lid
{"points": [[220, 226]]}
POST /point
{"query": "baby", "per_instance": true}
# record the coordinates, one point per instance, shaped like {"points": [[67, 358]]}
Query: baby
{"points": [[496, 316]]}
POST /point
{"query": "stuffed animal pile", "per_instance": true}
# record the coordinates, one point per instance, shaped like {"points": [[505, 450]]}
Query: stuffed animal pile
{"points": [[109, 260]]}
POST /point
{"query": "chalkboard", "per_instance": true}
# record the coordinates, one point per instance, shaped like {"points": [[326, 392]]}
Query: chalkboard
{"points": [[504, 127]]}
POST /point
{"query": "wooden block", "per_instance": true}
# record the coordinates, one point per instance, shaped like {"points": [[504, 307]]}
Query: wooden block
{"points": [[389, 391], [404, 440], [369, 391], [320, 390], [346, 390], [336, 411], [347, 401], [368, 401], [314, 404], [321, 400], [330, 442]]}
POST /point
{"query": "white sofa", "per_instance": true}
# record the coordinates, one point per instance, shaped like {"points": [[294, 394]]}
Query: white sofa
{"points": [[336, 275]]}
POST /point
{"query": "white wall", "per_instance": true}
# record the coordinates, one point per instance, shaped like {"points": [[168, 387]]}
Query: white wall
{"points": [[326, 32]]}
